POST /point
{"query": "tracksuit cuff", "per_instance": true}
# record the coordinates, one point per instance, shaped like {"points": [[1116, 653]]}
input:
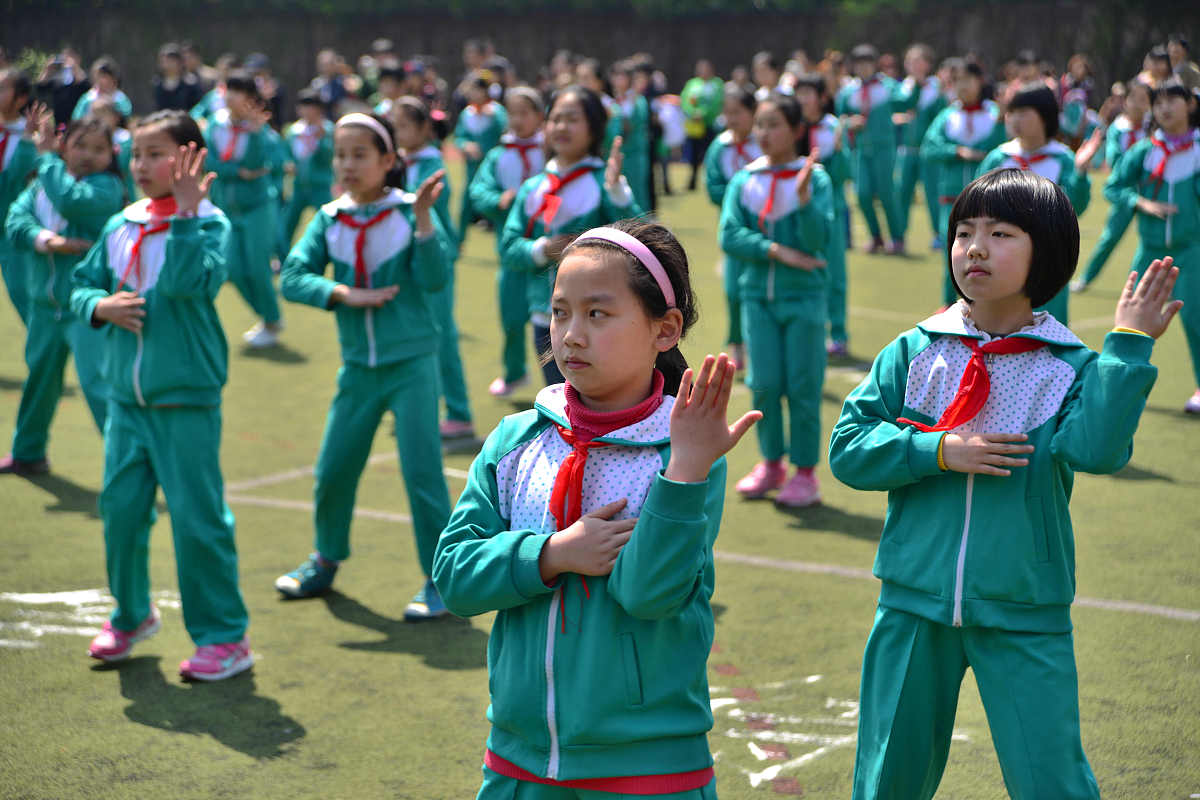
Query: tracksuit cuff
{"points": [[527, 575], [683, 502], [923, 450], [1133, 348]]}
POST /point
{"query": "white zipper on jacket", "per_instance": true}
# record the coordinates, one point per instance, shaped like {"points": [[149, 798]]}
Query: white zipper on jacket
{"points": [[137, 368], [771, 262], [370, 328], [50, 287], [960, 566], [551, 720], [1170, 199]]}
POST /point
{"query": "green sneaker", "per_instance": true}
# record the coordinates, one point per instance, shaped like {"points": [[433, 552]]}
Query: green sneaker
{"points": [[310, 579], [426, 604]]}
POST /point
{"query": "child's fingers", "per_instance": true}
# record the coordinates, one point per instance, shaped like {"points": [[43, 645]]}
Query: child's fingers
{"points": [[702, 381], [1169, 313], [1005, 437], [207, 182], [739, 429], [1166, 285], [685, 389], [721, 403], [720, 376], [1130, 283], [606, 511]]}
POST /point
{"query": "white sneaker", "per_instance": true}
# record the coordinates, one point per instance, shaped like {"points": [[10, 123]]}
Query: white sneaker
{"points": [[261, 336], [1078, 286]]}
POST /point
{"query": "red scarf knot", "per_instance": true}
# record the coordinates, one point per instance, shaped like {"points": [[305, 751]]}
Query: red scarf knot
{"points": [[235, 131], [548, 208], [523, 149], [361, 279], [1160, 172], [1026, 163], [777, 175], [135, 255]]}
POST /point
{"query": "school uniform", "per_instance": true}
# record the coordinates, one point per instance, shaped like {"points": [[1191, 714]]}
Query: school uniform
{"points": [[554, 202], [309, 150], [84, 104], [57, 203], [722, 161], [212, 102], [1120, 138], [635, 145], [123, 149], [925, 100], [483, 125], [250, 207], [1056, 162], [826, 142], [389, 355], [874, 149], [1169, 173], [783, 308], [18, 156], [164, 414], [277, 158], [979, 570], [978, 127], [592, 678], [418, 167], [505, 168]]}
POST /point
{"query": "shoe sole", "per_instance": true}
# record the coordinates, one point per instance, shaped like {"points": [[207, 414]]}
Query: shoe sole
{"points": [[809, 504], [296, 594], [416, 616], [241, 665], [141, 637]]}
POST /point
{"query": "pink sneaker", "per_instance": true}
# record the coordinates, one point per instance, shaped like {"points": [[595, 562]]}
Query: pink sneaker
{"points": [[802, 490], [456, 429], [876, 247], [114, 645], [1192, 406], [896, 248], [765, 476], [503, 388], [214, 662], [737, 354]]}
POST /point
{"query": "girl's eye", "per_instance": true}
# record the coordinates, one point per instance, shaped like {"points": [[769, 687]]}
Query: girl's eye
{"points": [[558, 313], [962, 235], [595, 312], [1000, 233]]}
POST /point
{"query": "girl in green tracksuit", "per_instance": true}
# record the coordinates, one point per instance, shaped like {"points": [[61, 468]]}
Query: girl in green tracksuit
{"points": [[149, 284], [54, 222], [479, 128], [974, 422], [309, 147], [414, 140], [1032, 116], [389, 254], [17, 157], [919, 99], [574, 192], [777, 220], [520, 155], [731, 151], [1159, 179], [588, 523], [635, 131]]}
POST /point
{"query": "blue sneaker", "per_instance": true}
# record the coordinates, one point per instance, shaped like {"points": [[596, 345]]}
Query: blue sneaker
{"points": [[307, 580], [426, 604]]}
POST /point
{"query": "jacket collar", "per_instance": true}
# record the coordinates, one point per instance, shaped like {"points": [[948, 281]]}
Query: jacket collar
{"points": [[139, 212], [654, 430], [588, 161], [393, 198], [955, 321], [761, 164]]}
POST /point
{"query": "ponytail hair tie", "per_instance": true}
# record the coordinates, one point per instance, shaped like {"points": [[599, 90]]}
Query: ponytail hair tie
{"points": [[639, 251], [369, 122]]}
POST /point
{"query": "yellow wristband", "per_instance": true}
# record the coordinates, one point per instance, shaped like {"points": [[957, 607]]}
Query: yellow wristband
{"points": [[941, 458], [1119, 329]]}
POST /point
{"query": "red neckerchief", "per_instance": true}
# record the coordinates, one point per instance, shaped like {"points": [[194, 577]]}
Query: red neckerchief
{"points": [[235, 130], [1026, 163], [1160, 172], [160, 209], [777, 175], [3, 144], [969, 110], [549, 207], [864, 98], [975, 384], [523, 149], [360, 241], [1134, 136], [742, 158]]}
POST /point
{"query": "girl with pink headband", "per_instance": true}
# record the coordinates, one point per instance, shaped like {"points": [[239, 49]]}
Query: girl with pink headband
{"points": [[598, 559]]}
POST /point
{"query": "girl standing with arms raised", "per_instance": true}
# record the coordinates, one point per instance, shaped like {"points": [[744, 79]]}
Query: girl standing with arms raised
{"points": [[597, 556], [388, 254]]}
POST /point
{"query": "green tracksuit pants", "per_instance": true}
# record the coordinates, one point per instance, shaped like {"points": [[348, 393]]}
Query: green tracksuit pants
{"points": [[732, 270], [910, 168], [785, 340], [912, 670], [873, 179], [513, 286], [451, 379], [52, 336], [12, 266], [248, 257], [500, 787], [409, 390], [303, 197], [1187, 289], [177, 448], [835, 266], [636, 169], [466, 211], [1118, 219]]}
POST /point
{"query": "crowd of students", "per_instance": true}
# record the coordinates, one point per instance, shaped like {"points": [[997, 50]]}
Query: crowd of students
{"points": [[593, 515]]}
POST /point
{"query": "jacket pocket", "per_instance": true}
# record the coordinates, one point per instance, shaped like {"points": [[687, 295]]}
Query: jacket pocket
{"points": [[633, 676], [1039, 527]]}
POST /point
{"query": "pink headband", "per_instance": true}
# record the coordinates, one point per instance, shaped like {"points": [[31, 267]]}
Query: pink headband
{"points": [[368, 121], [638, 251]]}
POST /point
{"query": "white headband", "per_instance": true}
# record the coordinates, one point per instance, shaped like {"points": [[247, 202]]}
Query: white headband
{"points": [[366, 120]]}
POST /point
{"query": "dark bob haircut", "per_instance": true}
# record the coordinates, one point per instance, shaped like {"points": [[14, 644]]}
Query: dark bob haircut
{"points": [[177, 124], [1042, 100], [1037, 206]]}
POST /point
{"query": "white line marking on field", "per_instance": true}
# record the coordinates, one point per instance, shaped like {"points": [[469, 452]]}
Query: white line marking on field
{"points": [[303, 505], [85, 611], [721, 702], [304, 472]]}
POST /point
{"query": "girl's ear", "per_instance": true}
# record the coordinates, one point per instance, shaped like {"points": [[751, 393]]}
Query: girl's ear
{"points": [[670, 329], [389, 161]]}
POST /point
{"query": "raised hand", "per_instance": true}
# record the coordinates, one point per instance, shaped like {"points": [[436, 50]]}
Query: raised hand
{"points": [[804, 181], [123, 309], [588, 546], [699, 431], [1156, 208], [63, 244], [189, 182], [798, 259], [506, 199], [1087, 151], [363, 298], [1146, 305], [985, 453], [39, 125], [616, 160], [429, 191]]}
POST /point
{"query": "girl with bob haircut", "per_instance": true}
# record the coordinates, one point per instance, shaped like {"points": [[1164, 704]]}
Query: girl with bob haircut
{"points": [[974, 422]]}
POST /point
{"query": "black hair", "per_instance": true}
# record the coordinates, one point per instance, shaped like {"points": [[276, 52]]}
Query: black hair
{"points": [[741, 95], [864, 52], [789, 106], [593, 66], [396, 175], [107, 65], [395, 73], [309, 97], [177, 124], [1037, 206], [107, 104], [669, 252], [767, 58], [1179, 39], [593, 111], [242, 81], [93, 124], [413, 108], [1159, 53], [1042, 100], [1173, 87], [21, 85], [974, 68]]}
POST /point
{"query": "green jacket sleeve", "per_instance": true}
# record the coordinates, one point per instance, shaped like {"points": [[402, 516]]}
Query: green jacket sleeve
{"points": [[13, 176], [194, 257], [480, 565], [1101, 411], [255, 156], [714, 176], [994, 159], [662, 565], [614, 210], [89, 201], [302, 279], [738, 233], [1121, 188], [868, 449], [92, 277], [1112, 146], [516, 249], [485, 189], [431, 256], [22, 226], [936, 146], [1077, 185]]}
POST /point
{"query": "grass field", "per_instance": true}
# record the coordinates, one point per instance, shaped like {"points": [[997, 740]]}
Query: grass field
{"points": [[348, 701]]}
